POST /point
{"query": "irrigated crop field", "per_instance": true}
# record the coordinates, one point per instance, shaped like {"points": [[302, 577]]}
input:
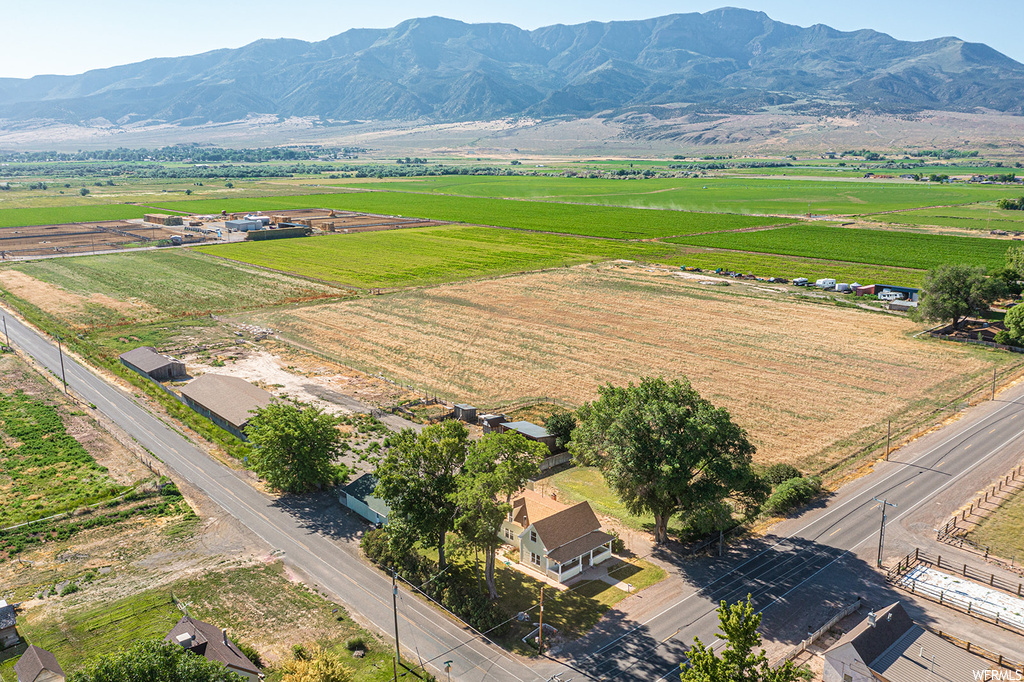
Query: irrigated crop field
{"points": [[808, 381], [56, 215], [591, 221], [775, 195], [973, 217], [878, 247], [429, 255], [113, 289]]}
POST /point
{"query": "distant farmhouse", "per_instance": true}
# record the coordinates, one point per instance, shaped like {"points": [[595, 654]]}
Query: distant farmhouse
{"points": [[226, 401], [8, 626]]}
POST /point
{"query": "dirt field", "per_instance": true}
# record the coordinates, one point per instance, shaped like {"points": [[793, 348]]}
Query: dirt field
{"points": [[45, 240], [810, 382]]}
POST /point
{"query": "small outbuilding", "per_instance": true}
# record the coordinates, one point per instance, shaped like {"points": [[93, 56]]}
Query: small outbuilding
{"points": [[38, 665], [212, 643], [490, 421], [358, 496], [242, 225], [226, 401], [147, 362], [530, 431], [466, 413], [8, 625]]}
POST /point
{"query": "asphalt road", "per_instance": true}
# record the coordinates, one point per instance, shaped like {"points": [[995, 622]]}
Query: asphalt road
{"points": [[836, 541]]}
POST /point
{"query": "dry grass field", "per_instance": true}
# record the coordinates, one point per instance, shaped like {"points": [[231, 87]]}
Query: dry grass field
{"points": [[809, 381]]}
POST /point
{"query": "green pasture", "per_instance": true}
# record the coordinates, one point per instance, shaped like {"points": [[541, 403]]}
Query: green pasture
{"points": [[43, 469], [771, 195], [591, 221], [56, 215], [429, 255], [766, 265], [972, 217], [915, 250], [177, 283]]}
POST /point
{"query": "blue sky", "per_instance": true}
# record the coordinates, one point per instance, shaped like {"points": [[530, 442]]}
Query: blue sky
{"points": [[72, 36]]}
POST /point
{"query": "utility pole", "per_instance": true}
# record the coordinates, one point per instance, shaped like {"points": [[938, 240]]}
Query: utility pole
{"points": [[394, 602], [8, 338], [993, 383], [881, 531], [888, 436], [60, 352], [540, 640]]}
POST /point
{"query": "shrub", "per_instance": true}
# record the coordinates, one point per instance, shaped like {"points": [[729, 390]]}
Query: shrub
{"points": [[778, 473], [70, 588], [355, 644], [299, 652], [792, 493]]}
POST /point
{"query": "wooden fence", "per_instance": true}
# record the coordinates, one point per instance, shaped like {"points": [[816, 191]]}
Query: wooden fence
{"points": [[816, 635]]}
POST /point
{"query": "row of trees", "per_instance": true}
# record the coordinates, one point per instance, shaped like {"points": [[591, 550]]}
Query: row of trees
{"points": [[956, 292]]}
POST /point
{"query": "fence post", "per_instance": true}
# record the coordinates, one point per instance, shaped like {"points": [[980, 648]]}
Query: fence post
{"points": [[917, 551], [969, 605]]}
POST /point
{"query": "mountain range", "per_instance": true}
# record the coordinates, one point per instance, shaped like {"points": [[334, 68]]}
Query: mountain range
{"points": [[436, 69]]}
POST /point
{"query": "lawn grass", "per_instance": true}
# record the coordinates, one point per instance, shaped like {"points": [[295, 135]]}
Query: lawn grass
{"points": [[43, 469], [878, 247], [178, 283], [769, 195], [428, 255], [580, 484], [1001, 531], [766, 265], [612, 222], [258, 605]]}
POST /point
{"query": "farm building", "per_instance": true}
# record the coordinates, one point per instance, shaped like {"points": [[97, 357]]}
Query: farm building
{"points": [[889, 646], [163, 219], [147, 362], [466, 413], [38, 665], [212, 643], [358, 496], [530, 431], [242, 225], [8, 625], [279, 233], [490, 421], [888, 292], [226, 401], [559, 541]]}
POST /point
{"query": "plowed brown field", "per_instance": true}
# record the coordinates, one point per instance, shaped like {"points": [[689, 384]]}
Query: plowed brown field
{"points": [[810, 382]]}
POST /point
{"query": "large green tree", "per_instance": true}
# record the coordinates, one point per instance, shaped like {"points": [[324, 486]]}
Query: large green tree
{"points": [[955, 292], [497, 467], [738, 624], [294, 447], [665, 450], [153, 661], [418, 478]]}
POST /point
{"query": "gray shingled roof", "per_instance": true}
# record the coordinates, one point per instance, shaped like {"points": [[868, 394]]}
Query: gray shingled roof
{"points": [[579, 546], [230, 398], [146, 358], [870, 641], [8, 619], [35, 661], [362, 489], [212, 643]]}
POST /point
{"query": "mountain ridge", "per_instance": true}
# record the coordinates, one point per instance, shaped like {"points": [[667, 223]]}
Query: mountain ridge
{"points": [[723, 61]]}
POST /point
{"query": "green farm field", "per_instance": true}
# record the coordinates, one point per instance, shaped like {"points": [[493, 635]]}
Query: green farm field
{"points": [[429, 255], [766, 196], [592, 221], [973, 217], [878, 247], [766, 265], [101, 291], [55, 215]]}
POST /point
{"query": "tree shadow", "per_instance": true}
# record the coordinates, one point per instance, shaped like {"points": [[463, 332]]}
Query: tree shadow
{"points": [[322, 513]]}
